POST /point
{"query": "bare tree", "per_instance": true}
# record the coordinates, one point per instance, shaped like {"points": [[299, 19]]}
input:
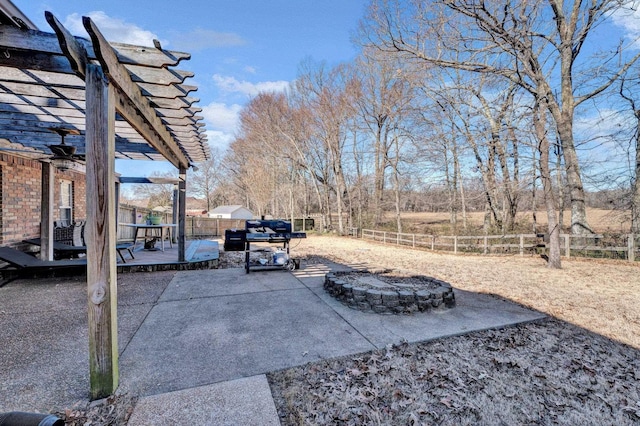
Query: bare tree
{"points": [[535, 44], [205, 181], [330, 96], [252, 175], [156, 194], [481, 114], [383, 106]]}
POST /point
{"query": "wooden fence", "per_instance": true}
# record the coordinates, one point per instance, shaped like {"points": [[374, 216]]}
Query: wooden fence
{"points": [[195, 227], [622, 246]]}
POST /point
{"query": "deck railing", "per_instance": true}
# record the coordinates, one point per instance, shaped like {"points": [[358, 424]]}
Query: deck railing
{"points": [[621, 246]]}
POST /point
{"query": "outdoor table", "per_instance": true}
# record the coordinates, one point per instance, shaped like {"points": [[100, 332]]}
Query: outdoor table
{"points": [[152, 232]]}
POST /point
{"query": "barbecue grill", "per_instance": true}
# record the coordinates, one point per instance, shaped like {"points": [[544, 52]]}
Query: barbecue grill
{"points": [[264, 231]]}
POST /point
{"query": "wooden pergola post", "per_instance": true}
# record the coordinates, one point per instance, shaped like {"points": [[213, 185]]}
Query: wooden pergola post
{"points": [[175, 213], [46, 211], [100, 234], [182, 202]]}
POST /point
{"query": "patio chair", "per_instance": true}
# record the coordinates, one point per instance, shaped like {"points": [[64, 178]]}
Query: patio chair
{"points": [[79, 243], [21, 262], [124, 246]]}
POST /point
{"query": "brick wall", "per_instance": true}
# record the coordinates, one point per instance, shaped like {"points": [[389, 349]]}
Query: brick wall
{"points": [[20, 198]]}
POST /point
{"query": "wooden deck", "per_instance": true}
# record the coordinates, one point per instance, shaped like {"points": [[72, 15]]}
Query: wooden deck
{"points": [[199, 254]]}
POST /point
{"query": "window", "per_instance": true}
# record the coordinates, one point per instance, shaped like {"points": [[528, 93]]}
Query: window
{"points": [[66, 201]]}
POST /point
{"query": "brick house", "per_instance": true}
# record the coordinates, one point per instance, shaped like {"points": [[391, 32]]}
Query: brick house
{"points": [[21, 198]]}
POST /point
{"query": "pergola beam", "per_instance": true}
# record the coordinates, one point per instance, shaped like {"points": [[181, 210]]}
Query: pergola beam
{"points": [[131, 104], [38, 41], [152, 179]]}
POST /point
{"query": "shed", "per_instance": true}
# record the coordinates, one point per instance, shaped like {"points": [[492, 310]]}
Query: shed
{"points": [[231, 212]]}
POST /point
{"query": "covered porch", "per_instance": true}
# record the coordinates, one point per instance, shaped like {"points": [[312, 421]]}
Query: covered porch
{"points": [[69, 106]]}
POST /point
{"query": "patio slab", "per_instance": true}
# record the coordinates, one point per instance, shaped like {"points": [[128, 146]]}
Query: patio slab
{"points": [[245, 401], [44, 355], [193, 341], [203, 340]]}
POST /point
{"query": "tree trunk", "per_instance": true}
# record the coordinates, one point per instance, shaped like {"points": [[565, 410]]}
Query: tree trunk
{"points": [[380, 167], [560, 185], [451, 190], [635, 203], [459, 184], [534, 205], [396, 183], [539, 119], [564, 125]]}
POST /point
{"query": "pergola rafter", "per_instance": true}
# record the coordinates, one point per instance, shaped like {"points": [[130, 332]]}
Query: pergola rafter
{"points": [[38, 79]]}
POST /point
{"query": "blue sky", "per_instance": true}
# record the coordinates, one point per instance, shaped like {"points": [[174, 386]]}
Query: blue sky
{"points": [[238, 47]]}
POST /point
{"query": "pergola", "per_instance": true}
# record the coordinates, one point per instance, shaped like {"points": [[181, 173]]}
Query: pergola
{"points": [[113, 101]]}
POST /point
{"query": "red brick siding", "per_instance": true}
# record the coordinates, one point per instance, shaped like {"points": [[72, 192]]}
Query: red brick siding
{"points": [[20, 188]]}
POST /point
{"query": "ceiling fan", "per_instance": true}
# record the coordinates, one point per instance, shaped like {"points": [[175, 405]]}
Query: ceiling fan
{"points": [[64, 156]]}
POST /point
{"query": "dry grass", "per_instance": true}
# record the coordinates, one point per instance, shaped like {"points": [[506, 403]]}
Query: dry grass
{"points": [[601, 296], [602, 221], [580, 367]]}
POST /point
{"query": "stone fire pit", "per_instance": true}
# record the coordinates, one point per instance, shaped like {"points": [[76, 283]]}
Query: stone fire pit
{"points": [[386, 292]]}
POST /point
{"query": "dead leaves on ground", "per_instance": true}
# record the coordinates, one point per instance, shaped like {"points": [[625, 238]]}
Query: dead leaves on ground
{"points": [[114, 410], [547, 372]]}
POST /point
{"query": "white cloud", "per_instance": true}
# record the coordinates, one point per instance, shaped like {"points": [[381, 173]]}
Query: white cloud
{"points": [[600, 124], [113, 29], [222, 117], [219, 140], [232, 85], [629, 20]]}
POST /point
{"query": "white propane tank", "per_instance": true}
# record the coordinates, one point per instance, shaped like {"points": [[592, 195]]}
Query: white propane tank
{"points": [[280, 257]]}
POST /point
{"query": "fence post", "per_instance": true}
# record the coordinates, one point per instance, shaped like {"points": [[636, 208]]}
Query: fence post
{"points": [[433, 242], [414, 240], [521, 245], [398, 239], [455, 244], [384, 237], [486, 241], [631, 247], [567, 245]]}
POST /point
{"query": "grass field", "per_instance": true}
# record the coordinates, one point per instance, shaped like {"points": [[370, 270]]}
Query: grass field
{"points": [[601, 221]]}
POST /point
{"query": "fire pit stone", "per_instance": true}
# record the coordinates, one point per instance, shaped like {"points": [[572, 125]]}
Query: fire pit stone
{"points": [[389, 293]]}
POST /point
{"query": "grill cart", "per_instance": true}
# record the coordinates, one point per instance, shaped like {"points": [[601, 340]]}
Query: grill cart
{"points": [[264, 231]]}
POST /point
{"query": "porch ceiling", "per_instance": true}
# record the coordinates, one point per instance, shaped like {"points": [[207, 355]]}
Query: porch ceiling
{"points": [[42, 87]]}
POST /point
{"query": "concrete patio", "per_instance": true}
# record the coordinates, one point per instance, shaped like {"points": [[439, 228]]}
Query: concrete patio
{"points": [[200, 342]]}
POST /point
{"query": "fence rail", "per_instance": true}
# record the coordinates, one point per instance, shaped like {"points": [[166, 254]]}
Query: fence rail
{"points": [[622, 246]]}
